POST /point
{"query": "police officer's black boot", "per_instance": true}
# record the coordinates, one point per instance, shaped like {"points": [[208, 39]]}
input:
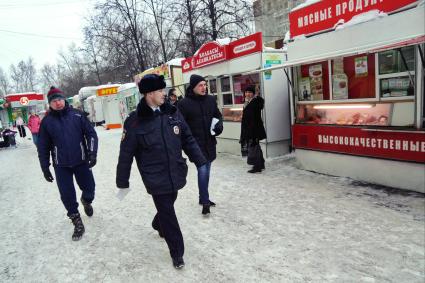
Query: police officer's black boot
{"points": [[78, 226], [88, 209], [178, 262], [205, 209]]}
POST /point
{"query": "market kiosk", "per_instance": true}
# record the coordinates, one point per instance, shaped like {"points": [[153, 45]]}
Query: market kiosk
{"points": [[358, 98], [110, 105], [172, 72], [129, 96], [21, 104], [227, 68], [91, 104]]}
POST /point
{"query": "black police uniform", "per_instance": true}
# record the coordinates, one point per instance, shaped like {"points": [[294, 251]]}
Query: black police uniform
{"points": [[156, 141]]}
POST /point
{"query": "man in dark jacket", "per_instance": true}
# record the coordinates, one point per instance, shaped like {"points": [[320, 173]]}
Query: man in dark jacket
{"points": [[252, 129], [67, 135], [155, 135], [199, 111]]}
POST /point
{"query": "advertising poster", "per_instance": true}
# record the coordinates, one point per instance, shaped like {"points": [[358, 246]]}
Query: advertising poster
{"points": [[361, 66], [304, 89], [340, 86], [338, 65], [316, 82]]}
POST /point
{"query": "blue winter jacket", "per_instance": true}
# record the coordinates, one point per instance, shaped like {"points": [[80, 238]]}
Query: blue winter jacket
{"points": [[156, 142], [68, 137]]}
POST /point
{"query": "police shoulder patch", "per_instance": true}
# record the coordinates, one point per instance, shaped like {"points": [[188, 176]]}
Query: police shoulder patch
{"points": [[176, 130]]}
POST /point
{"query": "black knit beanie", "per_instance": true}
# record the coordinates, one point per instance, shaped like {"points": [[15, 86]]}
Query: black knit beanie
{"points": [[195, 79]]}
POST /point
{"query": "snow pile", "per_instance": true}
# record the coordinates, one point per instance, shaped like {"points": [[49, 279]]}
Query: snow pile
{"points": [[267, 48], [287, 37], [175, 62], [361, 18], [305, 4], [126, 86], [283, 225], [223, 41]]}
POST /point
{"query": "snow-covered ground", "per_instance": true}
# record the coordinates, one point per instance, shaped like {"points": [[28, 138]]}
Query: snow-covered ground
{"points": [[284, 225]]}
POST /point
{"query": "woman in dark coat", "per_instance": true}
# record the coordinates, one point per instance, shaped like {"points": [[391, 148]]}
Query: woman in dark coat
{"points": [[252, 129]]}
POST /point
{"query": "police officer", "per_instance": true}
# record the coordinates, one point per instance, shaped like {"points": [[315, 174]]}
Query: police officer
{"points": [[68, 136], [155, 134]]}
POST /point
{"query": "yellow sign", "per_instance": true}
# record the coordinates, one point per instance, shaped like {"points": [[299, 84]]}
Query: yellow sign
{"points": [[160, 70], [107, 91]]}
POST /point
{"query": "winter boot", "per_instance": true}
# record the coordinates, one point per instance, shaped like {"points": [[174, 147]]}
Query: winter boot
{"points": [[206, 209], [211, 203], [178, 262], [255, 170], [88, 209], [78, 226]]}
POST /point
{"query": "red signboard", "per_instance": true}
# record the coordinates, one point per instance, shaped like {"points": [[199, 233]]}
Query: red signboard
{"points": [[28, 96], [209, 53], [212, 52], [187, 64], [244, 46], [326, 14], [396, 145]]}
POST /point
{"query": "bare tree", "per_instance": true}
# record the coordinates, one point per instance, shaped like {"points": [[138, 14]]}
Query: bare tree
{"points": [[74, 75], [187, 13], [228, 18], [24, 76], [4, 83], [92, 52], [50, 75], [119, 22]]}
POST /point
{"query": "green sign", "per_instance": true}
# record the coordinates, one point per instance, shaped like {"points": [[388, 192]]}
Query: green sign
{"points": [[273, 62]]}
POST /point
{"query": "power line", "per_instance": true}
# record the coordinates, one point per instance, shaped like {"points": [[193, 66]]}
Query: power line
{"points": [[37, 35]]}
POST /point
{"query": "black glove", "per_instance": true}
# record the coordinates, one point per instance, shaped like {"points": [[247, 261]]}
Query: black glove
{"points": [[218, 128], [47, 175], [92, 161]]}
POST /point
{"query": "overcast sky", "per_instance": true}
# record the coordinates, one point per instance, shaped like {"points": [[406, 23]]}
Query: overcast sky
{"points": [[39, 28]]}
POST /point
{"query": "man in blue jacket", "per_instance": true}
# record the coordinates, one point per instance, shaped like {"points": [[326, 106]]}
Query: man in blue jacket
{"points": [[155, 135], [67, 135]]}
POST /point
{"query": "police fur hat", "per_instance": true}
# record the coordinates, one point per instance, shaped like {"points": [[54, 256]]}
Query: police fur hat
{"points": [[151, 82]]}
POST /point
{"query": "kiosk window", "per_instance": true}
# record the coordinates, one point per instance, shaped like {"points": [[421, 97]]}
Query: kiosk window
{"points": [[313, 81], [397, 72], [353, 77], [213, 86], [397, 61], [240, 83]]}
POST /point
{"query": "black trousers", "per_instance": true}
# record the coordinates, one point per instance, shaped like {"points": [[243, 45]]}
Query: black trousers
{"points": [[166, 220], [22, 132], [255, 154]]}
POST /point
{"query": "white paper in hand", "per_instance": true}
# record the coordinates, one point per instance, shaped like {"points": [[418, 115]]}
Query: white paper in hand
{"points": [[122, 193], [213, 123]]}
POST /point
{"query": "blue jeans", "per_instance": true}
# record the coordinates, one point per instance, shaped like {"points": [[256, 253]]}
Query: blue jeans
{"points": [[203, 180], [35, 138]]}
